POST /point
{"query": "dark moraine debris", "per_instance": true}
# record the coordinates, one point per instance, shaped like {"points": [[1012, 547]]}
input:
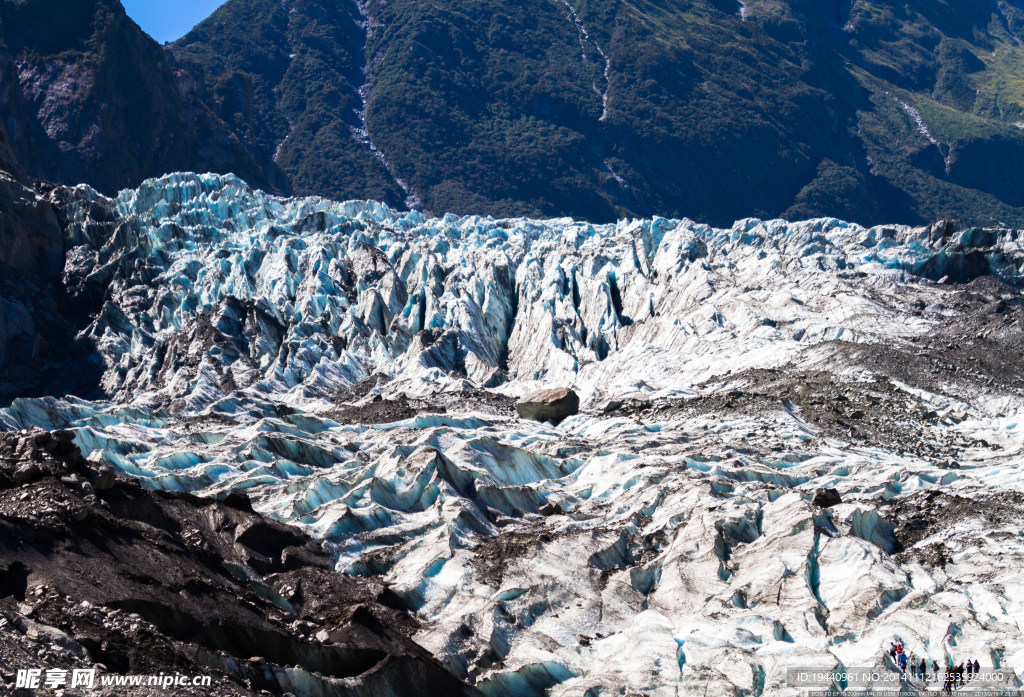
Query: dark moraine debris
{"points": [[100, 573]]}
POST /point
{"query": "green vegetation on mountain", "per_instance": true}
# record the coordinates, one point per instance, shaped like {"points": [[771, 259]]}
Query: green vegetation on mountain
{"points": [[716, 109], [286, 76], [870, 110]]}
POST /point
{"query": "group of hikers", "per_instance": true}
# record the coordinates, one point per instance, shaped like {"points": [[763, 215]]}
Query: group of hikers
{"points": [[917, 667]]}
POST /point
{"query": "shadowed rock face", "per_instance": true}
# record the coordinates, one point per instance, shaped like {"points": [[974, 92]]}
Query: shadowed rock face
{"points": [[97, 570], [37, 330], [549, 405], [87, 96]]}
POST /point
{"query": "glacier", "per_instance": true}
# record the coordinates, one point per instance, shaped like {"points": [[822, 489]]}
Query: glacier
{"points": [[352, 369]]}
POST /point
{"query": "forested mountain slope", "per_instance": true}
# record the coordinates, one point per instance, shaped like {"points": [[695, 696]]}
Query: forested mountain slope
{"points": [[601, 108], [598, 109]]}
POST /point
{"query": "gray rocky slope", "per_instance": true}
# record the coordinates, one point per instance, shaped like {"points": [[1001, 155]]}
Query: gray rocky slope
{"points": [[353, 371], [97, 573]]}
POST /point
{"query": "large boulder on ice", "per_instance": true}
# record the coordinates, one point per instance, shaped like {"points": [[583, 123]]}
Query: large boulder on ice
{"points": [[549, 405], [826, 498]]}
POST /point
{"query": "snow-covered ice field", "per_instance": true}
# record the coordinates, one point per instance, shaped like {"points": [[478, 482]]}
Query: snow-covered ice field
{"points": [[352, 369]]}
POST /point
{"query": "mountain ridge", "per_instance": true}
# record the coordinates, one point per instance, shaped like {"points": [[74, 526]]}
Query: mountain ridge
{"points": [[88, 96], [869, 110], [513, 115]]}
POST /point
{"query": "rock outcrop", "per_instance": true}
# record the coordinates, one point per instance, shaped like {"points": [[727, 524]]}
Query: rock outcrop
{"points": [[87, 96], [37, 331]]}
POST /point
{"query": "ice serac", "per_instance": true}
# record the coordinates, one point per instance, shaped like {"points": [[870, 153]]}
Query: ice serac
{"points": [[215, 288], [354, 371]]}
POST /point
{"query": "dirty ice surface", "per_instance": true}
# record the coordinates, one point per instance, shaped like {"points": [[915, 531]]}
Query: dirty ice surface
{"points": [[353, 370]]}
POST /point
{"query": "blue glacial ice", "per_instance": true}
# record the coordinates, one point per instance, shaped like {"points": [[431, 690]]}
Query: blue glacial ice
{"points": [[351, 369]]}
